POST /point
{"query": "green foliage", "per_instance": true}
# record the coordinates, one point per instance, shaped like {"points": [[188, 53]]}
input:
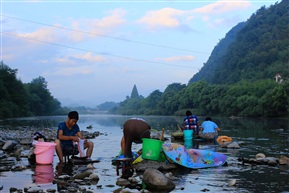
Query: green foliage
{"points": [[237, 80], [247, 99], [107, 106], [134, 93], [254, 50], [20, 100]]}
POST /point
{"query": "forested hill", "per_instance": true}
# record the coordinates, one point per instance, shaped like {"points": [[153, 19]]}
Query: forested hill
{"points": [[253, 50]]}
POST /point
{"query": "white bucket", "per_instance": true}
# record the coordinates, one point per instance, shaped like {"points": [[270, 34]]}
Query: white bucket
{"points": [[44, 152]]}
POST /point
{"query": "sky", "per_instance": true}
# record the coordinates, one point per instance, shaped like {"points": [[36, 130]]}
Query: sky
{"points": [[91, 52]]}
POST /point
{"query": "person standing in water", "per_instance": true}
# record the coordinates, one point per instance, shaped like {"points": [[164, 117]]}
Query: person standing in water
{"points": [[134, 130]]}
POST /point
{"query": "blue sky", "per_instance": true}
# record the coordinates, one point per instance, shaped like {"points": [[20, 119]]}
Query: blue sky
{"points": [[95, 51]]}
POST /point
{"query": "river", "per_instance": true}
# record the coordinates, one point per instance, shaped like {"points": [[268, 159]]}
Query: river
{"points": [[258, 135]]}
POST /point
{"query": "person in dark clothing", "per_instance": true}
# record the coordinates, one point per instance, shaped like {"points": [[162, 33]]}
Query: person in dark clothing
{"points": [[67, 134], [134, 130]]}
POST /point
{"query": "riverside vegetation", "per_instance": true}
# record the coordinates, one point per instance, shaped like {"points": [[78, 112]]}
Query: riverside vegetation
{"points": [[239, 78]]}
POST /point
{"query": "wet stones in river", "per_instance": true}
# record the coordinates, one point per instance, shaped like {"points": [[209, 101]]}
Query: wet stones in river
{"points": [[9, 145], [231, 145], [156, 181], [144, 164], [260, 159], [283, 160]]}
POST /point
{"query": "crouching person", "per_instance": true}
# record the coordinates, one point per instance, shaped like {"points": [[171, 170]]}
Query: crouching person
{"points": [[68, 134]]}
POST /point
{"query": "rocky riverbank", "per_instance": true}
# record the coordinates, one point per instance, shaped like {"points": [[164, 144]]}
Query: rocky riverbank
{"points": [[16, 145]]}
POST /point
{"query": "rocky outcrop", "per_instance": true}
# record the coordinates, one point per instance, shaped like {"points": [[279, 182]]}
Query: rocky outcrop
{"points": [[156, 181]]}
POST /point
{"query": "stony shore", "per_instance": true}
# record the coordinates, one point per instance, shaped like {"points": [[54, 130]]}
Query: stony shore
{"points": [[16, 144]]}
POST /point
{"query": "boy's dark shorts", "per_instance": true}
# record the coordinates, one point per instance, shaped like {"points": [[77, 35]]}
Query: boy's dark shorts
{"points": [[69, 149]]}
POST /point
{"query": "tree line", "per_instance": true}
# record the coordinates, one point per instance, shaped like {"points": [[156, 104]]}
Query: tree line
{"points": [[19, 99], [263, 98]]}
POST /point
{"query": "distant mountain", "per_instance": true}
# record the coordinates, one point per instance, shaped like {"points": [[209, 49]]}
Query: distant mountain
{"points": [[252, 50]]}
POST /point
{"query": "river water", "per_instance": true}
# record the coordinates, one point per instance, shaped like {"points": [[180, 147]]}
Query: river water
{"points": [[258, 135]]}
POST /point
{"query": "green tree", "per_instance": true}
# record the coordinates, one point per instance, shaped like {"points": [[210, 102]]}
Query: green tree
{"points": [[275, 102], [12, 92], [41, 102], [169, 101], [134, 93]]}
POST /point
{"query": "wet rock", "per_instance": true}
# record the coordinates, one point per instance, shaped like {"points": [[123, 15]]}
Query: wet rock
{"points": [[122, 182], [126, 190], [170, 176], [93, 177], [82, 175], [233, 145], [283, 160], [35, 190], [26, 141], [10, 161], [272, 161], [232, 182], [25, 153], [2, 142], [260, 155], [18, 168], [50, 190], [72, 189], [145, 164], [9, 145], [157, 181], [133, 180], [4, 168], [12, 189], [2, 154]]}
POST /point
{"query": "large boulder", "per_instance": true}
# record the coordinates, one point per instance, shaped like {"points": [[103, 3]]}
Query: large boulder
{"points": [[157, 181], [9, 145]]}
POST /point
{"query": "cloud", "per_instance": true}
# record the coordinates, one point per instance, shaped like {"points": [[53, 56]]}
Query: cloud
{"points": [[90, 57], [81, 58], [181, 19], [166, 17], [178, 59], [78, 30], [42, 34], [70, 71], [221, 7], [97, 27]]}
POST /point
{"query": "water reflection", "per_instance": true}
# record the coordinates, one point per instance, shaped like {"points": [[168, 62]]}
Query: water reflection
{"points": [[64, 169], [44, 174], [256, 135], [188, 143]]}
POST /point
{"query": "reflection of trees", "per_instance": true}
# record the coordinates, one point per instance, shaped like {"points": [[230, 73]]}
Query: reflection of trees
{"points": [[237, 127]]}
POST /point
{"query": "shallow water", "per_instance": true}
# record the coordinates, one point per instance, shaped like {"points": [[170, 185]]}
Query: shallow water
{"points": [[268, 136]]}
